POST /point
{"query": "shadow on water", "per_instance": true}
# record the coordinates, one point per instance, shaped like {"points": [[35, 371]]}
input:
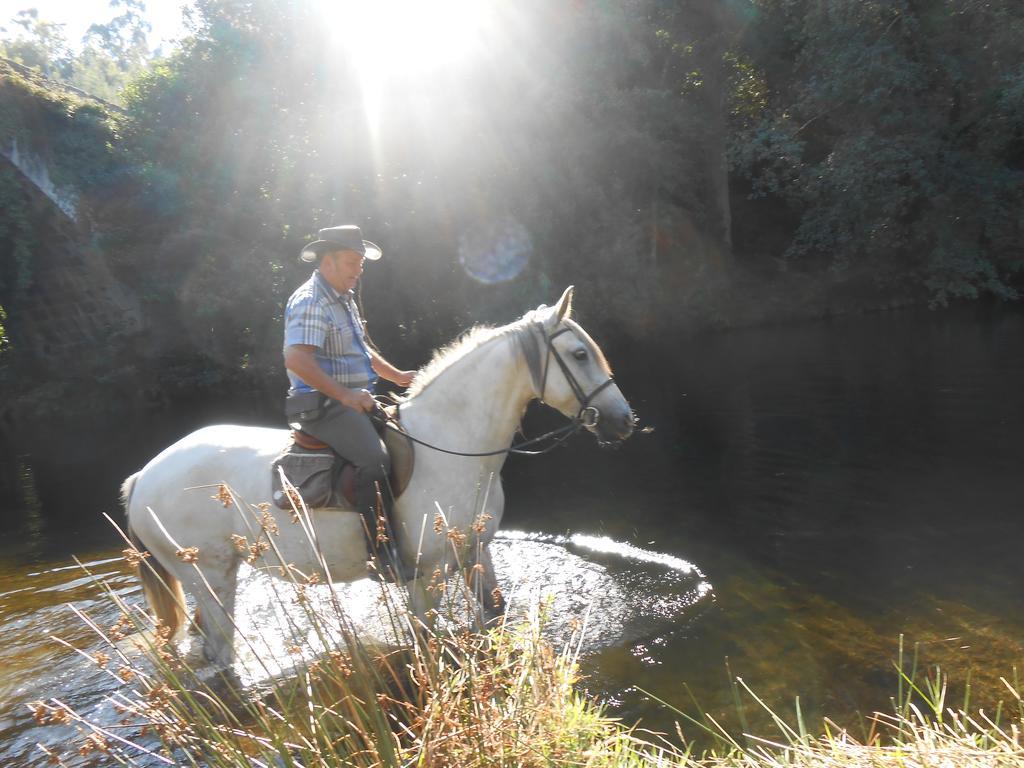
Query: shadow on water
{"points": [[840, 483], [836, 483], [58, 478]]}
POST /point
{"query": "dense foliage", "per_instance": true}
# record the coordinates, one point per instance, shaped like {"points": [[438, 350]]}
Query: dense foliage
{"points": [[681, 162], [72, 137], [895, 133]]}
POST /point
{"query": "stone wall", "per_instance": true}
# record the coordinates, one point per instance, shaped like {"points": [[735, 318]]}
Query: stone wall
{"points": [[35, 171], [71, 302]]}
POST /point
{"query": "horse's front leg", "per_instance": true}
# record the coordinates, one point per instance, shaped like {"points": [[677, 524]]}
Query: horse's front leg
{"points": [[483, 583]]}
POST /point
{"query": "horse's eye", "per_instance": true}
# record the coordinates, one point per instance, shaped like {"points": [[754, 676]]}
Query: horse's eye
{"points": [[580, 354]]}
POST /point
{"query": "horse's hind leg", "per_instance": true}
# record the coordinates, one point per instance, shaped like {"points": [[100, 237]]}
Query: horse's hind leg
{"points": [[483, 583], [215, 603]]}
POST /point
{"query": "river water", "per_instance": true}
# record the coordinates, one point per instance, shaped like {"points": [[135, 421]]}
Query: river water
{"points": [[810, 493]]}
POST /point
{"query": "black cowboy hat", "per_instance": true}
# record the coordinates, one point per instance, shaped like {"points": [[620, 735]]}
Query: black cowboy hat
{"points": [[347, 237]]}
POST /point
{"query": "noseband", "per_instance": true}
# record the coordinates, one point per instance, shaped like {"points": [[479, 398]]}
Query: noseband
{"points": [[588, 415]]}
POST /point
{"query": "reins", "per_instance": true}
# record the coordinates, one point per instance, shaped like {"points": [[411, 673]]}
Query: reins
{"points": [[587, 416], [560, 435]]}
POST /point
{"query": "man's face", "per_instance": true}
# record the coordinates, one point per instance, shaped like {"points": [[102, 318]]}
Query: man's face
{"points": [[342, 269]]}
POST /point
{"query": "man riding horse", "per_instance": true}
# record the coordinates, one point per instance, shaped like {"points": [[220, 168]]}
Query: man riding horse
{"points": [[332, 371]]}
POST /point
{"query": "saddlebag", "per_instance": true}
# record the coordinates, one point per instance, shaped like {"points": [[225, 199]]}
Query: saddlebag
{"points": [[316, 474]]}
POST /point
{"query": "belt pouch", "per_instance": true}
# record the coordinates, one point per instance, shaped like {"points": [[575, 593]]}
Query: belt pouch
{"points": [[304, 407]]}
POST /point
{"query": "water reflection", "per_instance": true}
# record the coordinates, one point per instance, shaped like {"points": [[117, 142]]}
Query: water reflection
{"points": [[651, 622], [838, 483], [31, 527], [617, 592], [788, 642], [34, 607]]}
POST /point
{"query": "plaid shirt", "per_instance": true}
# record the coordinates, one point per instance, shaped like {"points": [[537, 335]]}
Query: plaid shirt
{"points": [[320, 316]]}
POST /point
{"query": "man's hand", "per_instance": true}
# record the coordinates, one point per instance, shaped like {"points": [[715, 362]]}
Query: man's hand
{"points": [[358, 400], [386, 370], [403, 378]]}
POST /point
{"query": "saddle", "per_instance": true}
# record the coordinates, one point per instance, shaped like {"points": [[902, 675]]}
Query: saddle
{"points": [[325, 479]]}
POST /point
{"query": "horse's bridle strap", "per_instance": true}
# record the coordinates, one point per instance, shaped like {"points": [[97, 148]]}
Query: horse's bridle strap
{"points": [[581, 397]]}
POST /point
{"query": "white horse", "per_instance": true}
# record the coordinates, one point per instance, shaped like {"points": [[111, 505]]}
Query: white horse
{"points": [[469, 399]]}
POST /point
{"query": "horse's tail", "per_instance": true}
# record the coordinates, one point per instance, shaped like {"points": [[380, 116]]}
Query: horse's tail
{"points": [[162, 589]]}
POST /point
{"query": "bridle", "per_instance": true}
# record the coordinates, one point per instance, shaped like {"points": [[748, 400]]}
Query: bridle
{"points": [[587, 416]]}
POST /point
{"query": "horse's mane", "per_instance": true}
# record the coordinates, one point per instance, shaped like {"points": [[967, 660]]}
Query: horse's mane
{"points": [[469, 341]]}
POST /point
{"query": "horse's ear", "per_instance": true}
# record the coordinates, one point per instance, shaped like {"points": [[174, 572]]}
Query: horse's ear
{"points": [[563, 308], [551, 316]]}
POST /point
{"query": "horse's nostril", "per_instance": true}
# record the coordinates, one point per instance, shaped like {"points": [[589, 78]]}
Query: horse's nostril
{"points": [[624, 424]]}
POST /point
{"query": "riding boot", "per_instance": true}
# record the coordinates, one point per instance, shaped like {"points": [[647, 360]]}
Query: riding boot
{"points": [[385, 560]]}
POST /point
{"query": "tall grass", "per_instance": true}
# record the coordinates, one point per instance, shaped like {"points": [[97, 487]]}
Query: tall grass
{"points": [[463, 697], [451, 698]]}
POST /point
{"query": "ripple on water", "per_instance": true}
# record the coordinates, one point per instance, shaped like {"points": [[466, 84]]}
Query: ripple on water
{"points": [[615, 591], [618, 593], [621, 591], [33, 665]]}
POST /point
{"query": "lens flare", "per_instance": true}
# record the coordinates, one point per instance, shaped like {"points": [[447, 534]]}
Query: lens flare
{"points": [[495, 251]]}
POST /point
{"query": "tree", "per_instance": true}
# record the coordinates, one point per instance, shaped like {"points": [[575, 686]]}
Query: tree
{"points": [[895, 138], [41, 45], [113, 53]]}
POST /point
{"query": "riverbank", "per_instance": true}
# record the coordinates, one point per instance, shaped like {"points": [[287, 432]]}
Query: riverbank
{"points": [[320, 687], [500, 698]]}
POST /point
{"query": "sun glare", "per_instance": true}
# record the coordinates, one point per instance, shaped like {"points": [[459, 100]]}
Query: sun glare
{"points": [[403, 38], [404, 49]]}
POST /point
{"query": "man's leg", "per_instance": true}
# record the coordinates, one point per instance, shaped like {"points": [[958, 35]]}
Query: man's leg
{"points": [[352, 435]]}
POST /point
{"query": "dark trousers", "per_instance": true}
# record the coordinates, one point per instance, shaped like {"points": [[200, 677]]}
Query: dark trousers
{"points": [[353, 436]]}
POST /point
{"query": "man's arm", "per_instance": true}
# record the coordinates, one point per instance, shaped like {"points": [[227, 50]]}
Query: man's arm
{"points": [[300, 359], [387, 371]]}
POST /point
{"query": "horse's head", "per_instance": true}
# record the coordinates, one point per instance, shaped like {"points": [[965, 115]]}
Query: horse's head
{"points": [[570, 372]]}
